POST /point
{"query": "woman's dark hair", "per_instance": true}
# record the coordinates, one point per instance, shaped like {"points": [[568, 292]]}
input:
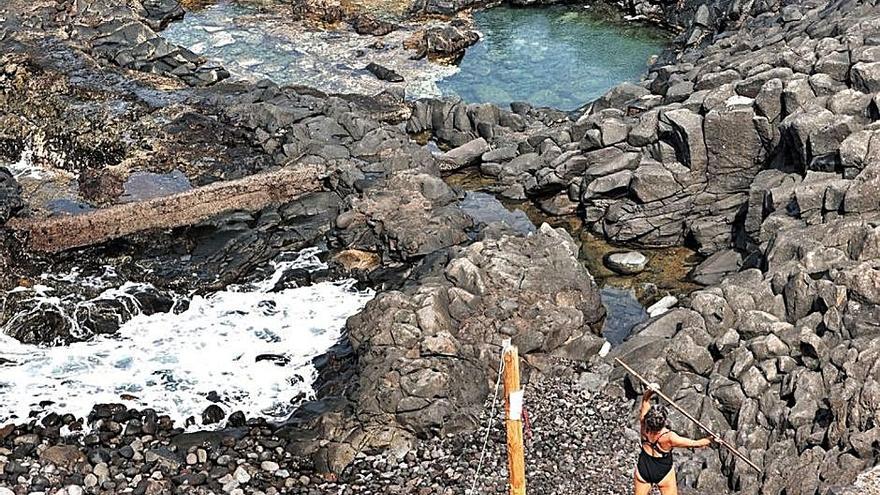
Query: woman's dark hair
{"points": [[655, 420]]}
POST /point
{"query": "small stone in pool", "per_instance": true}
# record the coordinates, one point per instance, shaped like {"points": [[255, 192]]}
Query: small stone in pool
{"points": [[628, 263]]}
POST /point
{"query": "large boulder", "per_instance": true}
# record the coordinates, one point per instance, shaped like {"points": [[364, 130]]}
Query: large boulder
{"points": [[735, 151], [686, 135], [866, 76], [446, 43], [428, 354], [464, 155], [409, 214]]}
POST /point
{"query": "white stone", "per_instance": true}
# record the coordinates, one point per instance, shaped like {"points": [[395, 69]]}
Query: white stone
{"points": [[102, 472], [74, 490], [241, 475], [90, 481], [269, 466], [628, 263], [606, 348], [663, 305], [738, 101]]}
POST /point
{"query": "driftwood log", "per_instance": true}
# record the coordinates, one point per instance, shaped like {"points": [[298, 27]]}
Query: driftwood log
{"points": [[249, 194]]}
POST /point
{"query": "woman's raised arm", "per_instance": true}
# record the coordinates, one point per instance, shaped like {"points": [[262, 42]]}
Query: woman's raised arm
{"points": [[646, 403], [686, 443]]}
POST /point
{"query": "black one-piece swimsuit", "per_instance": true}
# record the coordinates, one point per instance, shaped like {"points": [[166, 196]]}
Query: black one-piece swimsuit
{"points": [[653, 469]]}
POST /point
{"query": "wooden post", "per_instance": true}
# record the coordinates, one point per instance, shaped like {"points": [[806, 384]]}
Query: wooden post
{"points": [[513, 394]]}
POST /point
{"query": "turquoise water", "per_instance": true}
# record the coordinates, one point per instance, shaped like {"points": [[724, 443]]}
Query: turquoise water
{"points": [[550, 56]]}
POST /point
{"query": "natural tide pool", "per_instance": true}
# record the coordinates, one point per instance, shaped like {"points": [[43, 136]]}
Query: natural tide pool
{"points": [[561, 57]]}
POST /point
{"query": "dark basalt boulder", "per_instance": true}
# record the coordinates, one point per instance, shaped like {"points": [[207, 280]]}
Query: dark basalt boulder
{"points": [[78, 314], [366, 24], [441, 7], [408, 215], [159, 13], [213, 414], [384, 73], [321, 11], [426, 354], [445, 44], [716, 267], [10, 196], [125, 35]]}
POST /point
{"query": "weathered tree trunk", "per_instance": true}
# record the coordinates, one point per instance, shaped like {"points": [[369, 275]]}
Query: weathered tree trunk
{"points": [[177, 210]]}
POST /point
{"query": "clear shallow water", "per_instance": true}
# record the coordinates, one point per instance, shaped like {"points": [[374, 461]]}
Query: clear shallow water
{"points": [[142, 186], [549, 56], [256, 44], [486, 208], [171, 362], [624, 311]]}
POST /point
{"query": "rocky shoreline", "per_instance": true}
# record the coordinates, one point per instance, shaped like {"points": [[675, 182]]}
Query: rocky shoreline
{"points": [[750, 142], [139, 452]]}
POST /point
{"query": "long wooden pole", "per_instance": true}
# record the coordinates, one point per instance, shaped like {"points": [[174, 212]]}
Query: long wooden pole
{"points": [[513, 412], [690, 417]]}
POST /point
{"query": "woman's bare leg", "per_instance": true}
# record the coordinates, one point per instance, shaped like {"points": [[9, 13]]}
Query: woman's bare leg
{"points": [[669, 485], [642, 488]]}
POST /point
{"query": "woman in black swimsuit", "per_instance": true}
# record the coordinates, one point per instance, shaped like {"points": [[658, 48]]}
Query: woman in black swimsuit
{"points": [[655, 467]]}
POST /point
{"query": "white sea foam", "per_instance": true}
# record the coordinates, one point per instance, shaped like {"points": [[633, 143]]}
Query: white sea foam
{"points": [[24, 168], [170, 362]]}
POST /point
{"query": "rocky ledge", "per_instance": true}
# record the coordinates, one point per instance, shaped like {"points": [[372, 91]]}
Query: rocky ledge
{"points": [[419, 348]]}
